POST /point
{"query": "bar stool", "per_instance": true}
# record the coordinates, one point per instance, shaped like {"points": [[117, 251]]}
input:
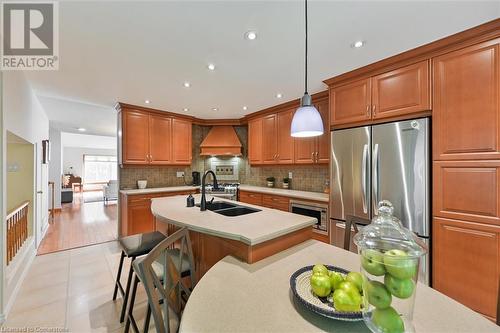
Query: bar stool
{"points": [[162, 272], [133, 247], [353, 221]]}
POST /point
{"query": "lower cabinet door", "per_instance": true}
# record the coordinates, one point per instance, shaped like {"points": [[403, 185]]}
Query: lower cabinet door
{"points": [[251, 198], [466, 260], [140, 217]]}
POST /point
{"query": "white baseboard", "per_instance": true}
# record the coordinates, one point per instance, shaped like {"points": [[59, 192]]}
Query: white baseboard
{"points": [[25, 255]]}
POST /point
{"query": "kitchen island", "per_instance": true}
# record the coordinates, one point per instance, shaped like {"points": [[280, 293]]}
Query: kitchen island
{"points": [[249, 238], [238, 297]]}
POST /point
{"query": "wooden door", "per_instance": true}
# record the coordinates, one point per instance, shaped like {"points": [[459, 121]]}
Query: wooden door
{"points": [[255, 141], [160, 139], [135, 137], [467, 190], [269, 139], [466, 114], [466, 263], [181, 141], [305, 149], [276, 202], [140, 218], [402, 91], [323, 141], [351, 103], [285, 139]]}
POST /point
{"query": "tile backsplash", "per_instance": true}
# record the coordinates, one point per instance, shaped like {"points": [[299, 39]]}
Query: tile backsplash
{"points": [[305, 177]]}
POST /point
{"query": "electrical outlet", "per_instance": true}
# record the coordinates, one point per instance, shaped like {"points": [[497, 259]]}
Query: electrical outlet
{"points": [[290, 175], [180, 174]]}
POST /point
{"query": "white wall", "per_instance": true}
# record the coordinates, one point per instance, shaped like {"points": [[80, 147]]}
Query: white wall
{"points": [[73, 157], [24, 116], [55, 165]]}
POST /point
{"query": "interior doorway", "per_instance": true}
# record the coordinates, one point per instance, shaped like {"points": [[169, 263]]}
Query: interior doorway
{"points": [[87, 195]]}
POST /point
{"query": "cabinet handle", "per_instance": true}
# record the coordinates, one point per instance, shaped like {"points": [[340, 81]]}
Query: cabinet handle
{"points": [[368, 111], [374, 107], [277, 156], [312, 156], [317, 158]]}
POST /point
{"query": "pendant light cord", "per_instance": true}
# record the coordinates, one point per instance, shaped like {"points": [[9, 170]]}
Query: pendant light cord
{"points": [[305, 79]]}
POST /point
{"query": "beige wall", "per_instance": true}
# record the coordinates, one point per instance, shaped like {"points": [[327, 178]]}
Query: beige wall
{"points": [[20, 182], [305, 178]]}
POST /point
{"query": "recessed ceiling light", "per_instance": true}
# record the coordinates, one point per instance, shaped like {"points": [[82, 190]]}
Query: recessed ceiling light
{"points": [[147, 101], [215, 109], [187, 84], [185, 109], [245, 108], [358, 44], [81, 129], [250, 35], [278, 95], [211, 67]]}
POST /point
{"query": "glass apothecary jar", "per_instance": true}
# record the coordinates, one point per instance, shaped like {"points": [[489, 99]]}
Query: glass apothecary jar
{"points": [[390, 256]]}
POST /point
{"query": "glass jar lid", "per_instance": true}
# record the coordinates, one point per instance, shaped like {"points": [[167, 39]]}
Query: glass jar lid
{"points": [[387, 233]]}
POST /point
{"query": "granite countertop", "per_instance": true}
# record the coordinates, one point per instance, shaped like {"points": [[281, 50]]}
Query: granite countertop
{"points": [[315, 196], [250, 229], [159, 190], [257, 298]]}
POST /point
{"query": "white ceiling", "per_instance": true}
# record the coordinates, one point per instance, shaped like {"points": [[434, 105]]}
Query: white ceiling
{"points": [[132, 51], [87, 141]]}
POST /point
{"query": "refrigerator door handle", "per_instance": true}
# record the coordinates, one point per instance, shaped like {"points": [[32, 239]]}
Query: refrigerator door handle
{"points": [[376, 189], [363, 178]]}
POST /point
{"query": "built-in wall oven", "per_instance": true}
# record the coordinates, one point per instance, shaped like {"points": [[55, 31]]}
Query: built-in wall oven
{"points": [[312, 209]]}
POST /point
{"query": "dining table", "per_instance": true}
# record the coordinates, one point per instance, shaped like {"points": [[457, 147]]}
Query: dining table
{"points": [[234, 296]]}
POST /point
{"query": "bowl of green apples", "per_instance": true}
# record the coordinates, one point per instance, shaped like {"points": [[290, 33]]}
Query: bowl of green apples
{"points": [[330, 291]]}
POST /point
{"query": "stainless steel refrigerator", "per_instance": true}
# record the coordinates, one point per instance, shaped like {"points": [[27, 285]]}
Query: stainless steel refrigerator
{"points": [[383, 162]]}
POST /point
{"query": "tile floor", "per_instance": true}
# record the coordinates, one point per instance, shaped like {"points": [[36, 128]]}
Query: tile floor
{"points": [[73, 290]]}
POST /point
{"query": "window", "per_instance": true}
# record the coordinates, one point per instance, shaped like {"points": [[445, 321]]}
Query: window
{"points": [[99, 168]]}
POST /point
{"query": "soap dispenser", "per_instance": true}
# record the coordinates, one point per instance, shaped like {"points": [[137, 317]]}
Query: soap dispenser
{"points": [[190, 201]]}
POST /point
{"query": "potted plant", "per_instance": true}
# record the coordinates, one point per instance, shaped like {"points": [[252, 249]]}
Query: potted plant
{"points": [[286, 182], [270, 181]]}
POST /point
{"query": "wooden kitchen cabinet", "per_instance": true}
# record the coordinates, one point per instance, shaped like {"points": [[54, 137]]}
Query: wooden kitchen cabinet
{"points": [[181, 141], [269, 139], [467, 190], [466, 112], [402, 91], [466, 263], [150, 138], [393, 94], [276, 202], [160, 149], [135, 137], [251, 198], [316, 149], [135, 211], [285, 139], [255, 141], [350, 103]]}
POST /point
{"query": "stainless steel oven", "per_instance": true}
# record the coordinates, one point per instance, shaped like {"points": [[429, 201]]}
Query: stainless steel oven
{"points": [[317, 210]]}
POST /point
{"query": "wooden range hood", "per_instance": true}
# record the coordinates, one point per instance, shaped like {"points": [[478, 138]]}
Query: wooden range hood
{"points": [[221, 140]]}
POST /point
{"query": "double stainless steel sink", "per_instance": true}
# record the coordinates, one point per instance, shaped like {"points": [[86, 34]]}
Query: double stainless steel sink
{"points": [[229, 209]]}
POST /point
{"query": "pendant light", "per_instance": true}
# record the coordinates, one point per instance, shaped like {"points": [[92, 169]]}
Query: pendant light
{"points": [[307, 120]]}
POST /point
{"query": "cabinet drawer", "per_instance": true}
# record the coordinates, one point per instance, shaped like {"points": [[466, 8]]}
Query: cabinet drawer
{"points": [[467, 191], [251, 198], [276, 202]]}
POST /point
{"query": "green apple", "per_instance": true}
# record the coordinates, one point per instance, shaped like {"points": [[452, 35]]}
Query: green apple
{"points": [[348, 287], [320, 284], [355, 278], [346, 301], [378, 295], [398, 265], [318, 268], [335, 279], [401, 288], [388, 320], [373, 262]]}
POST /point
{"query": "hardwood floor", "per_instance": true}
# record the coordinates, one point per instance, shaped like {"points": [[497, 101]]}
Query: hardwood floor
{"points": [[80, 224]]}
